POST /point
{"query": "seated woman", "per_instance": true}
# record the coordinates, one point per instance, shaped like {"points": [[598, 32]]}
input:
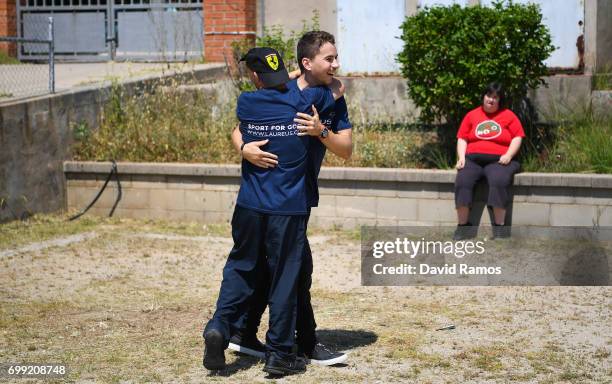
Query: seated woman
{"points": [[487, 141]]}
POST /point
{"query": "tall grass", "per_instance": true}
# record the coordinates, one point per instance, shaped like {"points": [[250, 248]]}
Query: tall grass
{"points": [[169, 125], [163, 125], [602, 80], [583, 144], [386, 145]]}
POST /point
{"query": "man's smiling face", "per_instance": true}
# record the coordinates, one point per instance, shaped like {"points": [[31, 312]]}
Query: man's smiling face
{"points": [[324, 65]]}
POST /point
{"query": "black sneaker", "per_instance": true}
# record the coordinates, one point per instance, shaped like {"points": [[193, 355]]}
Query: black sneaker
{"points": [[278, 366], [249, 345], [501, 231], [214, 356], [321, 355], [464, 232]]}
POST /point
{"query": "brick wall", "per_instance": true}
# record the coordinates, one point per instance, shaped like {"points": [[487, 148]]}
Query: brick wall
{"points": [[8, 25], [221, 19]]}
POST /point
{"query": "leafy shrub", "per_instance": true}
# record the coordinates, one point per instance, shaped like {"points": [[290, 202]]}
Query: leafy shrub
{"points": [[451, 53]]}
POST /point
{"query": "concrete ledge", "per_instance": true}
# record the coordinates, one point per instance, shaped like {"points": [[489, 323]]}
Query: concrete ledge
{"points": [[349, 197], [164, 169], [341, 174]]}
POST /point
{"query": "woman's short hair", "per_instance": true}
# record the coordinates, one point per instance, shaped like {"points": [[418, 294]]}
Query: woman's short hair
{"points": [[498, 89]]}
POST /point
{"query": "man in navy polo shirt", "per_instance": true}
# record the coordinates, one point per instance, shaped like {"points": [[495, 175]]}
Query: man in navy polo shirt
{"points": [[317, 58], [269, 222]]}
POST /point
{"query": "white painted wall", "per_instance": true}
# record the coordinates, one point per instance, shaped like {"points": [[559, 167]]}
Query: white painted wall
{"points": [[368, 32], [565, 19], [444, 3]]}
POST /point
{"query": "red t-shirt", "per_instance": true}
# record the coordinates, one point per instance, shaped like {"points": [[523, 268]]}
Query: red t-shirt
{"points": [[489, 133]]}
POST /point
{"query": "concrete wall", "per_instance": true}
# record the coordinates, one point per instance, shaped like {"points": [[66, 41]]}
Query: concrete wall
{"points": [[290, 14], [35, 138], [603, 56], [349, 196], [385, 99], [597, 35]]}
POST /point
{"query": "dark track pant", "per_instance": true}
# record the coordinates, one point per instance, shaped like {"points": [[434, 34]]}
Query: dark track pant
{"points": [[268, 250], [306, 325], [498, 176]]}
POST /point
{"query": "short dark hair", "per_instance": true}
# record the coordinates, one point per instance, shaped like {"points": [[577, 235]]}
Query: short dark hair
{"points": [[310, 43], [498, 89]]}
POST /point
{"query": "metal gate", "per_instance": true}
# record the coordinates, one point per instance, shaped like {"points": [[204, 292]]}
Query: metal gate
{"points": [[100, 30]]}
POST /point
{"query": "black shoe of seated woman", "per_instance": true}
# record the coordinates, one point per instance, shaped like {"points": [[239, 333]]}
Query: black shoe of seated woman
{"points": [[501, 231], [464, 231]]}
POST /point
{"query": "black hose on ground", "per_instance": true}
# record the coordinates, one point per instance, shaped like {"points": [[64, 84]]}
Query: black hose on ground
{"points": [[114, 172]]}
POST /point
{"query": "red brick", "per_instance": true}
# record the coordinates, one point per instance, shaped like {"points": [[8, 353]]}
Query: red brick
{"points": [[223, 8], [226, 16], [7, 18]]}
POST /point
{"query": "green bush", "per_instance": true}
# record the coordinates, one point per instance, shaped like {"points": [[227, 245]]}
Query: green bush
{"points": [[451, 53]]}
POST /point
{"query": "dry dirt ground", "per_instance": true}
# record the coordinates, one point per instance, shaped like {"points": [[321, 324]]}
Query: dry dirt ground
{"points": [[125, 301]]}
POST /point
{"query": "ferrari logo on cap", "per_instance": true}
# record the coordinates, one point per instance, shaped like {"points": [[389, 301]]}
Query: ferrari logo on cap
{"points": [[272, 60]]}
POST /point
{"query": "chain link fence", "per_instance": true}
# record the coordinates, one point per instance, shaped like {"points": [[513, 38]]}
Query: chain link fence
{"points": [[23, 78]]}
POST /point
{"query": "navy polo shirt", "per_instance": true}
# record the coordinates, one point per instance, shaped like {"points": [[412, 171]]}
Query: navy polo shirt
{"points": [[268, 114], [335, 118]]}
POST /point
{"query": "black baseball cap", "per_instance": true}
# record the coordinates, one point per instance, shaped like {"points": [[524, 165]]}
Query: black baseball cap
{"points": [[268, 65]]}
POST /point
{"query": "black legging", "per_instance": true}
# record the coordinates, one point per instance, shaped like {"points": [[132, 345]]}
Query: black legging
{"points": [[499, 178]]}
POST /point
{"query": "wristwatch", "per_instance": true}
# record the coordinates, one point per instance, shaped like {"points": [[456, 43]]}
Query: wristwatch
{"points": [[324, 133]]}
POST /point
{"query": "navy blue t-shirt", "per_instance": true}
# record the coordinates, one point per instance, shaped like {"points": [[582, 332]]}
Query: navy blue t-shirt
{"points": [[335, 119], [268, 114]]}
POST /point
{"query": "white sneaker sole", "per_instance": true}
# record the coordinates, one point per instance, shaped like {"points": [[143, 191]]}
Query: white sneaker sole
{"points": [[337, 360], [246, 351]]}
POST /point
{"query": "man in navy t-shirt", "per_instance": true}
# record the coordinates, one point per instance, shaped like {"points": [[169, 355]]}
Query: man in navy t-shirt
{"points": [[269, 222], [331, 129]]}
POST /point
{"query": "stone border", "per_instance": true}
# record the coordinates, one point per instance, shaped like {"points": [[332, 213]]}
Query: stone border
{"points": [[531, 179]]}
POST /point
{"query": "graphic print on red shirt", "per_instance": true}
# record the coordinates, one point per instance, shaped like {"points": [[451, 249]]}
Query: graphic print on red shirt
{"points": [[489, 133], [488, 130]]}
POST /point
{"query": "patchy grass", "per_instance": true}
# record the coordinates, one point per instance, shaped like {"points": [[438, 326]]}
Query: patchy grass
{"points": [[43, 227], [47, 226], [6, 59], [127, 306]]}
